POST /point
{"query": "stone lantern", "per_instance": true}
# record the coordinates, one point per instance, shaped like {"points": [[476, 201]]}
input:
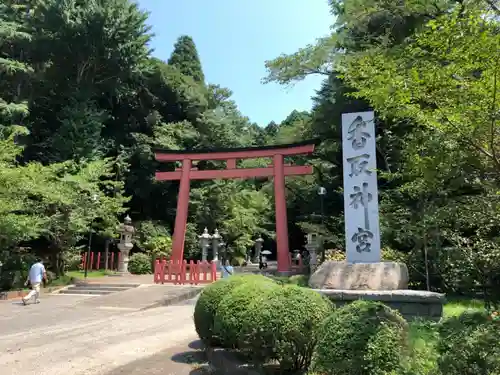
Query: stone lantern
{"points": [[205, 244], [125, 244], [312, 246], [258, 248], [216, 242]]}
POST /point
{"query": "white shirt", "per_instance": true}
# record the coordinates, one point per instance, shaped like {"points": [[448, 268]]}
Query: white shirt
{"points": [[36, 273]]}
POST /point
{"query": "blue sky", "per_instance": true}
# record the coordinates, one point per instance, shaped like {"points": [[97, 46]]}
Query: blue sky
{"points": [[235, 37]]}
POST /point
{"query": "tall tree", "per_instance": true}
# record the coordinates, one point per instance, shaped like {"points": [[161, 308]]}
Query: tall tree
{"points": [[98, 57], [185, 58], [16, 70]]}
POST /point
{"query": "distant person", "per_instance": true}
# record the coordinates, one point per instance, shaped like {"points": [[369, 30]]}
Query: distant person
{"points": [[227, 269], [262, 262], [36, 275]]}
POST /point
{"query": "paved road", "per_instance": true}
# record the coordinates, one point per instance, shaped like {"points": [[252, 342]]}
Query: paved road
{"points": [[62, 336]]}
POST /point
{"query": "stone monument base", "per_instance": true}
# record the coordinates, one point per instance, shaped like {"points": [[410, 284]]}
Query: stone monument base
{"points": [[386, 282], [360, 276], [412, 304]]}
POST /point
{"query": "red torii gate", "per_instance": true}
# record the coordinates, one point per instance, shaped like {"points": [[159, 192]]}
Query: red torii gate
{"points": [[279, 170]]}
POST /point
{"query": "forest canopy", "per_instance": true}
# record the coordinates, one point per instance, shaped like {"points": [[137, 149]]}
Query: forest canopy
{"points": [[84, 102]]}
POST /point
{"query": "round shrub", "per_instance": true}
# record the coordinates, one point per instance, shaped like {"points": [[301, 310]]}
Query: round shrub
{"points": [[140, 264], [284, 326], [362, 338], [208, 302], [73, 262], [468, 345], [235, 307]]}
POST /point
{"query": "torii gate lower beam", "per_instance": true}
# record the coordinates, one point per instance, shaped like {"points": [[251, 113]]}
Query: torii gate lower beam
{"points": [[278, 170]]}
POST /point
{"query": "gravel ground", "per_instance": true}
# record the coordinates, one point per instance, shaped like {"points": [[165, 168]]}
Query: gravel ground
{"points": [[63, 336]]}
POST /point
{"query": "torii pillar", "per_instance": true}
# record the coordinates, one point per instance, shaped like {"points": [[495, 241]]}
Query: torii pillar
{"points": [[279, 170]]}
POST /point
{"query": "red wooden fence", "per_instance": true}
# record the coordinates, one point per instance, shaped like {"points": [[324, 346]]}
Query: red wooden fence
{"points": [[200, 272], [97, 261]]}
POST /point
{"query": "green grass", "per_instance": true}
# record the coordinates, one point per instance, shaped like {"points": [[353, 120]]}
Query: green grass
{"points": [[71, 275], [424, 338], [90, 274], [456, 307], [60, 281], [300, 280]]}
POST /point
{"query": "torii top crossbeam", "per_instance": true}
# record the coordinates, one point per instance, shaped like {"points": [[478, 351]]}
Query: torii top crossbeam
{"points": [[278, 170]]}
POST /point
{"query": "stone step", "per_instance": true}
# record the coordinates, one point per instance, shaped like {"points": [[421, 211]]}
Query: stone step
{"points": [[106, 285], [85, 291], [100, 288]]}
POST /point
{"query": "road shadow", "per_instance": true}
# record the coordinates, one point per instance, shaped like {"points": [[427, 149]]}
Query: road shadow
{"points": [[196, 345], [187, 359], [197, 359], [190, 357]]}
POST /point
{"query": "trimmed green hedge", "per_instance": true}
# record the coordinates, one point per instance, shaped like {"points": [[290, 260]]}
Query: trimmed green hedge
{"points": [[283, 327], [362, 338], [234, 309], [468, 345], [209, 300]]}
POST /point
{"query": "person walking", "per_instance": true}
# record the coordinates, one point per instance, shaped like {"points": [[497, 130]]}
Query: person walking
{"points": [[227, 269], [36, 275]]}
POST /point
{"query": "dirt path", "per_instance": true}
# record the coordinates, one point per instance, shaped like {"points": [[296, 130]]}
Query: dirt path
{"points": [[62, 336]]}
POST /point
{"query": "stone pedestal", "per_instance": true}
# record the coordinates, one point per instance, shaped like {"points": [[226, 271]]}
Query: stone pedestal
{"points": [[216, 241], [386, 282], [360, 276], [125, 245], [412, 304], [312, 246], [123, 264]]}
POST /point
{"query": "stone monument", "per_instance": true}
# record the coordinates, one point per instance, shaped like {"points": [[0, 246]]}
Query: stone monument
{"points": [[205, 244], [258, 248], [363, 275], [125, 245]]}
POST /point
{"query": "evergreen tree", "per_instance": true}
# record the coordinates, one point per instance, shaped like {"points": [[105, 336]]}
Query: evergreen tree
{"points": [[185, 58], [15, 68]]}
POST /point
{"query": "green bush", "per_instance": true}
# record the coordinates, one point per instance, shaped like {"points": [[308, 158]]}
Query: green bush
{"points": [[208, 302], [468, 345], [234, 309], [15, 268], [72, 262], [140, 264], [300, 280], [362, 338], [284, 327], [51, 276]]}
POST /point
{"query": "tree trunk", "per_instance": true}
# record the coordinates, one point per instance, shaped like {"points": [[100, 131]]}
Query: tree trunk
{"points": [[59, 265], [426, 259]]}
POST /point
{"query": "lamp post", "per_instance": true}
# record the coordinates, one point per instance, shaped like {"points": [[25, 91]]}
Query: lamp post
{"points": [[258, 248], [94, 199], [216, 242], [205, 244], [322, 194], [312, 245], [125, 244]]}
